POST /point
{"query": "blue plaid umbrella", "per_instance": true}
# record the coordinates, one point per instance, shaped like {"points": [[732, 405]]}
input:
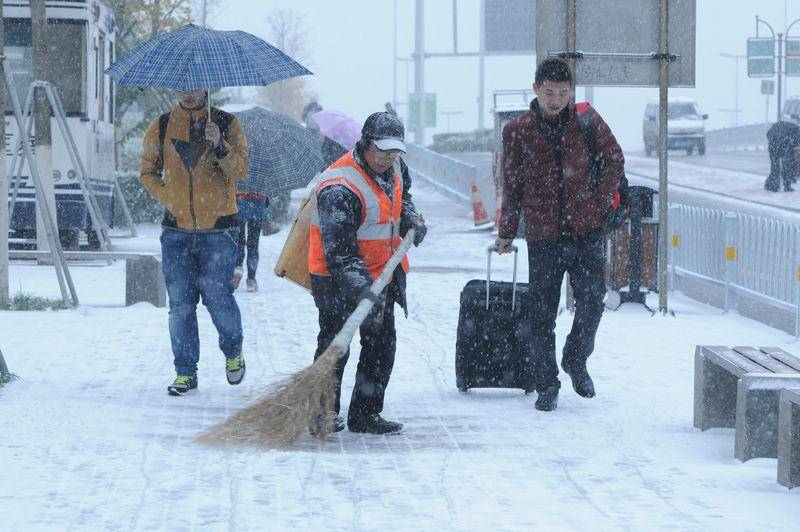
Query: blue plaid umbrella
{"points": [[193, 57], [284, 155]]}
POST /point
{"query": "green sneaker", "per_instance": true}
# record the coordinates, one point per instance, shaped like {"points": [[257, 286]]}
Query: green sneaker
{"points": [[183, 384], [234, 369]]}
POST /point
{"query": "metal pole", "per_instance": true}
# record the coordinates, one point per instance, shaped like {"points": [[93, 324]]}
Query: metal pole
{"points": [[44, 141], [394, 58], [766, 112], [571, 36], [455, 26], [51, 229], [736, 92], [18, 162], [98, 223], [4, 219], [731, 256], [663, 200], [419, 68], [780, 76], [569, 296], [481, 67]]}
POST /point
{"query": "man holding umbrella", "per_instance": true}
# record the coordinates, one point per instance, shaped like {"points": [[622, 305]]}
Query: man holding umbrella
{"points": [[361, 208], [190, 164]]}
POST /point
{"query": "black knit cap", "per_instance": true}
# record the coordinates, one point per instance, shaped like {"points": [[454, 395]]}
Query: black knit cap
{"points": [[385, 130]]}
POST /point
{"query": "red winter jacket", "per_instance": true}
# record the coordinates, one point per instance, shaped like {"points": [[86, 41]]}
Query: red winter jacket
{"points": [[532, 174]]}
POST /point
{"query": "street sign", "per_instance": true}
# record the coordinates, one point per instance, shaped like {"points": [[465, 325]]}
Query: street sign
{"points": [[792, 67], [767, 86], [504, 33], [618, 38], [414, 101], [760, 57]]}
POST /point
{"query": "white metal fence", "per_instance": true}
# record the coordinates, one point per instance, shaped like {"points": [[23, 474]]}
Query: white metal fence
{"points": [[452, 177], [748, 256]]}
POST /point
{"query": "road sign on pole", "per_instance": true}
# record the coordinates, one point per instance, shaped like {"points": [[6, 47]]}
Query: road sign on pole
{"points": [[414, 111], [760, 58], [767, 86], [792, 53]]}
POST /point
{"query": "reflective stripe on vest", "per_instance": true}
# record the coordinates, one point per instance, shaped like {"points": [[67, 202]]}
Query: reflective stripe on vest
{"points": [[379, 232]]}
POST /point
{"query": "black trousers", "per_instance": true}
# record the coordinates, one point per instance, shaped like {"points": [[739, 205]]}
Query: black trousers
{"points": [[250, 242], [378, 345], [548, 260]]}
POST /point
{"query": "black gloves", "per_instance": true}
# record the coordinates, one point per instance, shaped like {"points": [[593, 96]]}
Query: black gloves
{"points": [[420, 231], [418, 223]]}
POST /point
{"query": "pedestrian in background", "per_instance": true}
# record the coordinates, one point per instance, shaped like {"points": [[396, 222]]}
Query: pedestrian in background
{"points": [[252, 202], [189, 164], [547, 177], [783, 141]]}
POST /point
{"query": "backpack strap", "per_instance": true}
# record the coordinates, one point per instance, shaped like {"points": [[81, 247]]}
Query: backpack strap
{"points": [[584, 119], [163, 120]]}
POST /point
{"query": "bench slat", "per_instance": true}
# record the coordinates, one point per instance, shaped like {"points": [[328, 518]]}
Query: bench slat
{"points": [[792, 394], [779, 354], [724, 354], [771, 364]]}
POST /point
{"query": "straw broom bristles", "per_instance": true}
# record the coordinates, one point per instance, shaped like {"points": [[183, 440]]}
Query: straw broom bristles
{"points": [[278, 420]]}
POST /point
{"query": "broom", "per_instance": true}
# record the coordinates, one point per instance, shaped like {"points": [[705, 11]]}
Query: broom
{"points": [[278, 420]]}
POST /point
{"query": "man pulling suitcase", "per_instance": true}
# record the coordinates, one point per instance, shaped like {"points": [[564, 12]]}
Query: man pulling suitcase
{"points": [[547, 176]]}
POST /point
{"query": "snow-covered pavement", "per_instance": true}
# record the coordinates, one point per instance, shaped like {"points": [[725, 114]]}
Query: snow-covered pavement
{"points": [[91, 441]]}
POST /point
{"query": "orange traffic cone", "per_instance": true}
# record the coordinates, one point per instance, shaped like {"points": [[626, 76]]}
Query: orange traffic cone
{"points": [[499, 203], [479, 213]]}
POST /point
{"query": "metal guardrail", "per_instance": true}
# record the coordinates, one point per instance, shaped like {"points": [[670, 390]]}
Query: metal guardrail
{"points": [[452, 177], [748, 256], [752, 136]]}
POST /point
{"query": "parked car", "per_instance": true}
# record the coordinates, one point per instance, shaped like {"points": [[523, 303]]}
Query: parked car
{"points": [[686, 128], [791, 110]]}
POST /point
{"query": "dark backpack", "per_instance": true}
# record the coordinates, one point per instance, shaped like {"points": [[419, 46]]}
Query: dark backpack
{"points": [[620, 208]]}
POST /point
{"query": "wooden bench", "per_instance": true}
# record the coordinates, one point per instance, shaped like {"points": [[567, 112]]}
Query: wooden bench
{"points": [[144, 280], [740, 387], [789, 438]]}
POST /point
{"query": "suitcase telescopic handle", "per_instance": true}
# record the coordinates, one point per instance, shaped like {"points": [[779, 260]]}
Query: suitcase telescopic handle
{"points": [[489, 251]]}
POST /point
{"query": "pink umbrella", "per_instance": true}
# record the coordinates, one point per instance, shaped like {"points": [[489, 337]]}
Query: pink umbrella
{"points": [[339, 127]]}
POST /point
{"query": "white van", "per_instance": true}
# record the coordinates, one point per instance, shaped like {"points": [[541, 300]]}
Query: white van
{"points": [[791, 110], [686, 129]]}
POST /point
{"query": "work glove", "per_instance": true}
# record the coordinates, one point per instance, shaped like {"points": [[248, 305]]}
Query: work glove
{"points": [[420, 231]]}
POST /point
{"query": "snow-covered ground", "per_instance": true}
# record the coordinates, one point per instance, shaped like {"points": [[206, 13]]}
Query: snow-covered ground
{"points": [[91, 441]]}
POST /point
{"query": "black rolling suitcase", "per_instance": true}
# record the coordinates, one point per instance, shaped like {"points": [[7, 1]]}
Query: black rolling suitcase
{"points": [[493, 337]]}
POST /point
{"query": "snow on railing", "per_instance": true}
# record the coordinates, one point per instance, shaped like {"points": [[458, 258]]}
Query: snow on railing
{"points": [[746, 255], [452, 177]]}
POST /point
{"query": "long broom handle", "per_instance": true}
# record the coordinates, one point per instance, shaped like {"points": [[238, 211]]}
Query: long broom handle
{"points": [[345, 335]]}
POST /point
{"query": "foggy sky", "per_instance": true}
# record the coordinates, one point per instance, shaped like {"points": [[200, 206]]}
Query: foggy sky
{"points": [[351, 49]]}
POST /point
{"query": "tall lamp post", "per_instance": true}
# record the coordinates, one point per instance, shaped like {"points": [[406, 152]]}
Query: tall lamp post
{"points": [[788, 53], [735, 109], [780, 59]]}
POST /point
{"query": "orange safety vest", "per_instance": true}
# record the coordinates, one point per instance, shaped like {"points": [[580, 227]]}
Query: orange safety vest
{"points": [[378, 236]]}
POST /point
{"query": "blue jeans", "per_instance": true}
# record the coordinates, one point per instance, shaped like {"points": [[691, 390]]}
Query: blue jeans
{"points": [[199, 264]]}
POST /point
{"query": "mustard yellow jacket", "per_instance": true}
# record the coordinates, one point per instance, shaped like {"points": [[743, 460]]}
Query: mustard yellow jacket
{"points": [[196, 185]]}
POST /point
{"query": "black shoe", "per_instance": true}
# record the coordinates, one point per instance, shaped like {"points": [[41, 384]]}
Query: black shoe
{"points": [[548, 399], [375, 425], [183, 384], [328, 420], [581, 380]]}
